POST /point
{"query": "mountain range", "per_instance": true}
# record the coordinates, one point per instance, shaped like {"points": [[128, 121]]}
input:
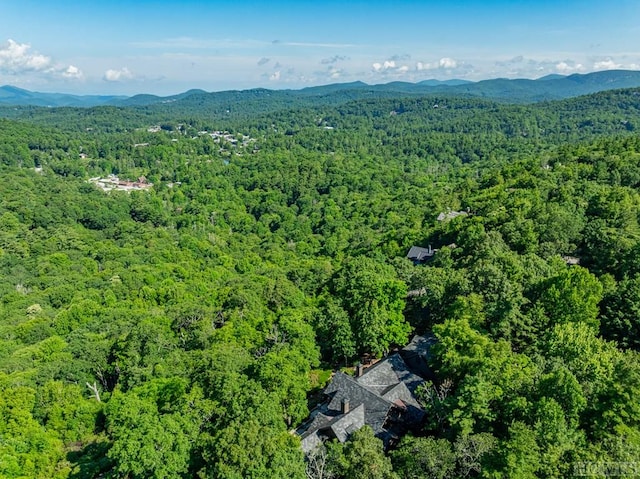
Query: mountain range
{"points": [[14, 96], [550, 87]]}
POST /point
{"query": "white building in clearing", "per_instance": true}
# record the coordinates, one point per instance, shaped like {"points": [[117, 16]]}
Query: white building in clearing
{"points": [[112, 182]]}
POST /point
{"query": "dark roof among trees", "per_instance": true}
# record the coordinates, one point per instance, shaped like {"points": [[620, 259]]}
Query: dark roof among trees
{"points": [[418, 253], [383, 397]]}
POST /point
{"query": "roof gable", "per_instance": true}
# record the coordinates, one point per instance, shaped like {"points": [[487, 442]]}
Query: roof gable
{"points": [[389, 372], [418, 253], [344, 387], [346, 424]]}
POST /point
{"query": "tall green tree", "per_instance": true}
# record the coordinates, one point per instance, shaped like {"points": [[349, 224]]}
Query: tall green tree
{"points": [[374, 299]]}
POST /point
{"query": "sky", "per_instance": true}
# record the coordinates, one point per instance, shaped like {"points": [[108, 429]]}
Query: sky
{"points": [[164, 48]]}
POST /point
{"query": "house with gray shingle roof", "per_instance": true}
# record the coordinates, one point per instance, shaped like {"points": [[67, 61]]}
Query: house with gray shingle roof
{"points": [[382, 397], [418, 254]]}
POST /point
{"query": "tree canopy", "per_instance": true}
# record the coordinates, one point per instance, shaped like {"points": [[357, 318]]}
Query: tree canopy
{"points": [[184, 328]]}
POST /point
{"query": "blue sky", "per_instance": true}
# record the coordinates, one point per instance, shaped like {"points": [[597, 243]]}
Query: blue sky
{"points": [[161, 47]]}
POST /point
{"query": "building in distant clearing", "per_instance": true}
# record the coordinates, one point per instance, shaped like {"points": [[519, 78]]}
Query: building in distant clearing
{"points": [[449, 215], [112, 182]]}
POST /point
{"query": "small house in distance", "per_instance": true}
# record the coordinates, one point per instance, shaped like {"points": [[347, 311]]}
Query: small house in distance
{"points": [[449, 215], [418, 254], [382, 396]]}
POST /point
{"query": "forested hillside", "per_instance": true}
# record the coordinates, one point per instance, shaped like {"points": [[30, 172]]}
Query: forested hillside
{"points": [[184, 330]]}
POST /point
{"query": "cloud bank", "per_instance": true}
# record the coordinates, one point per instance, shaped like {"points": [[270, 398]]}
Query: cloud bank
{"points": [[394, 65], [117, 75], [444, 63], [610, 64], [18, 59]]}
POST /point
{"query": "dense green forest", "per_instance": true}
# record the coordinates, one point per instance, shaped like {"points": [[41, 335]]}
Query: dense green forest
{"points": [[184, 330]]}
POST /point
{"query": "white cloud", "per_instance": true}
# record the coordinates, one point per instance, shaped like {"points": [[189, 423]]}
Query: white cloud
{"points": [[445, 67], [522, 67], [607, 64], [275, 76], [568, 66], [72, 72], [389, 66], [263, 61], [16, 58], [445, 63], [332, 72], [628, 61], [335, 73], [117, 75]]}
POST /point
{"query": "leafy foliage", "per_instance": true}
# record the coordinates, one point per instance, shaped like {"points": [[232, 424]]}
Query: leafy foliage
{"points": [[173, 331]]}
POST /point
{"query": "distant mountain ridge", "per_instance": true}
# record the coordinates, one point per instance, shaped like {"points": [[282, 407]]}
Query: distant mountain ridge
{"points": [[11, 95], [550, 87]]}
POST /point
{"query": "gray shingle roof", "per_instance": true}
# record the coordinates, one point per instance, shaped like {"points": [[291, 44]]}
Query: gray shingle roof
{"points": [[345, 387], [389, 372], [346, 424], [416, 355], [382, 398], [418, 253]]}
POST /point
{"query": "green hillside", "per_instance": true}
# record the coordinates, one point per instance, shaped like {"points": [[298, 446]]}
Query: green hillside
{"points": [[184, 326]]}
